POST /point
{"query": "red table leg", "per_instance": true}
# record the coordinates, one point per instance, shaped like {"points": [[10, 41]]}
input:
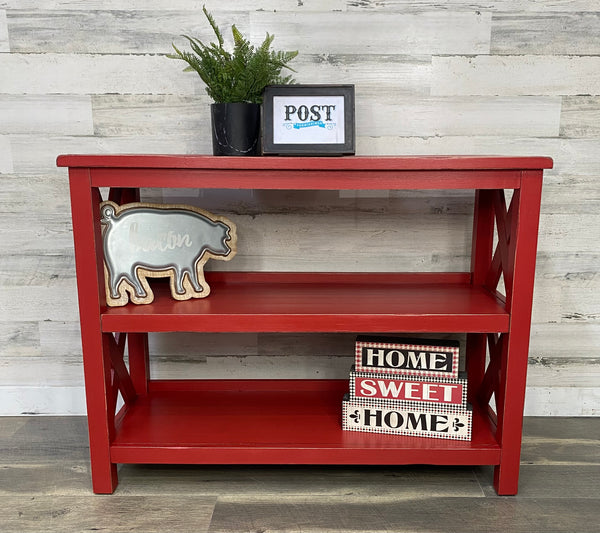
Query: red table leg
{"points": [[85, 202], [513, 371]]}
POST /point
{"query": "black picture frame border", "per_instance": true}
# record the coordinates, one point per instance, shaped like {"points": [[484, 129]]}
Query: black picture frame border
{"points": [[348, 147]]}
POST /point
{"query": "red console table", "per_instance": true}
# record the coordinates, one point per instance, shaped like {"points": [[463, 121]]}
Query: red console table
{"points": [[258, 421]]}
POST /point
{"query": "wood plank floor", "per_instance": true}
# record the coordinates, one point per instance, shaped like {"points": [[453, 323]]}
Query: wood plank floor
{"points": [[45, 486]]}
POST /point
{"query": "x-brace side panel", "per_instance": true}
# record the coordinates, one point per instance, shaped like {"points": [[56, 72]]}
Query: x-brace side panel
{"points": [[504, 255], [120, 379], [502, 266]]}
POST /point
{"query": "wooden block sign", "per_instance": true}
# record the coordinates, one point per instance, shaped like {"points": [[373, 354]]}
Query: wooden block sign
{"points": [[400, 418], [144, 241], [417, 357], [432, 392]]}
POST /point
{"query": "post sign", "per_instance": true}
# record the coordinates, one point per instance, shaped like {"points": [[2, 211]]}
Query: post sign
{"points": [[142, 241], [308, 119]]}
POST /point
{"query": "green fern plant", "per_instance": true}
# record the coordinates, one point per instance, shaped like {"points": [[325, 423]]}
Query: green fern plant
{"points": [[238, 76]]}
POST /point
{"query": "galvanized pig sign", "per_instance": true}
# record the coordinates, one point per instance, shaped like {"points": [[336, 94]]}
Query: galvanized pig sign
{"points": [[143, 241]]}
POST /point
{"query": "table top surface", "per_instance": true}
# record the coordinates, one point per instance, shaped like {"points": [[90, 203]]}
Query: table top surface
{"points": [[380, 163]]}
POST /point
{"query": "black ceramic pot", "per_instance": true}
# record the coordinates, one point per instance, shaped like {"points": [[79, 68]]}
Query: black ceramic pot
{"points": [[235, 129]]}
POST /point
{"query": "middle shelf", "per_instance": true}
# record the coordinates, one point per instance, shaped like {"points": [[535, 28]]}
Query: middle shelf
{"points": [[320, 302]]}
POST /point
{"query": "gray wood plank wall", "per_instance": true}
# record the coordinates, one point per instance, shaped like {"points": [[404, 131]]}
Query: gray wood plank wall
{"points": [[453, 77]]}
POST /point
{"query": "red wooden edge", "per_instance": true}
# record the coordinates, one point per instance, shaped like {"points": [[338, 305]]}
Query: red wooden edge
{"points": [[441, 162]]}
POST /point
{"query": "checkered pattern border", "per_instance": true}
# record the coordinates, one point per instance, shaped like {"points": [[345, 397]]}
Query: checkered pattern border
{"points": [[408, 405], [398, 344], [462, 420], [425, 404]]}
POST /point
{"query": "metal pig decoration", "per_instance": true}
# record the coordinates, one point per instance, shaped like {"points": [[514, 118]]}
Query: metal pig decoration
{"points": [[155, 241]]}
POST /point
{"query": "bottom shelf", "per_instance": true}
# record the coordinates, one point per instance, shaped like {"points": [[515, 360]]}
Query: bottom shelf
{"points": [[272, 422]]}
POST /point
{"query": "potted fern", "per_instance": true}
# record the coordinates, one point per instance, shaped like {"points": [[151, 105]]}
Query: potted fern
{"points": [[235, 82]]}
